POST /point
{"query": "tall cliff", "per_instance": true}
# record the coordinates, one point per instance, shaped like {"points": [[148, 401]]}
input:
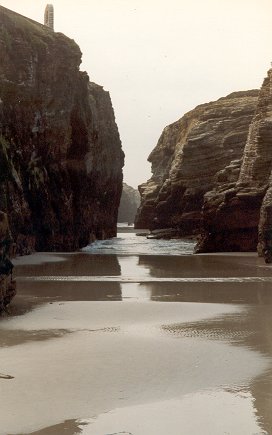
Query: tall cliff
{"points": [[238, 216], [130, 201], [192, 156], [60, 152]]}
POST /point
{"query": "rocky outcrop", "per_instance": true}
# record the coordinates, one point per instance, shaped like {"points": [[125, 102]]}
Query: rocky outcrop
{"points": [[60, 151], [198, 152], [7, 284], [130, 201], [238, 213]]}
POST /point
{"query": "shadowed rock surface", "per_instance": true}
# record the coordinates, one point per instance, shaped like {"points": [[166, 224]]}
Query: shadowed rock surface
{"points": [[7, 284], [238, 215], [60, 151], [193, 155], [130, 201]]}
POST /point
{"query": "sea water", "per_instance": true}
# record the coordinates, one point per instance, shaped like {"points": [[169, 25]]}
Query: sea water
{"points": [[129, 243]]}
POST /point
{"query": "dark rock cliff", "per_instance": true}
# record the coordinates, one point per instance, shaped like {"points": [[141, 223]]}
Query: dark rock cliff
{"points": [[130, 201], [238, 215], [193, 155], [60, 151], [7, 284]]}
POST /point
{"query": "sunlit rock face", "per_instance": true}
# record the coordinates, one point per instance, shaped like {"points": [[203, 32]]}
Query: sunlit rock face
{"points": [[200, 151], [130, 201], [60, 151]]}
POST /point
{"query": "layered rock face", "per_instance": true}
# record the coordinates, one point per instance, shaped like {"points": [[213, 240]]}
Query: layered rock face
{"points": [[130, 201], [60, 151], [193, 155], [238, 214]]}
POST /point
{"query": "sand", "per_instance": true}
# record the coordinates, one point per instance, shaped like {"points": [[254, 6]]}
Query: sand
{"points": [[140, 345]]}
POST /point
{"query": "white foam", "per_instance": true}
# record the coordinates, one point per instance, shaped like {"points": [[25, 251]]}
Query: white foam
{"points": [[130, 243]]}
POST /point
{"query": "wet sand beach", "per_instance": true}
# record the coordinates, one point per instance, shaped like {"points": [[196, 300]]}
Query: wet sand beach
{"points": [[138, 344]]}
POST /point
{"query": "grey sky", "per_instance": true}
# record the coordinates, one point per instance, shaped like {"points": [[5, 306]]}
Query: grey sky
{"points": [[160, 58]]}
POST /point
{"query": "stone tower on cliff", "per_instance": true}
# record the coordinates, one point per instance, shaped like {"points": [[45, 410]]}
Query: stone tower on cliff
{"points": [[49, 16]]}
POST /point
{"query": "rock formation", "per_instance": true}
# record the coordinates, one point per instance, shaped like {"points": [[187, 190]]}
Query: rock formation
{"points": [[60, 152], [130, 201], [49, 16], [198, 152], [7, 284], [238, 212]]}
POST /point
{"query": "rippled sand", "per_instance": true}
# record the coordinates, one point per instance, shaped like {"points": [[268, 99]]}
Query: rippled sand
{"points": [[139, 345]]}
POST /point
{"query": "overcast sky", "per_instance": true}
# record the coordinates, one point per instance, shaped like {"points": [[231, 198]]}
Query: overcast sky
{"points": [[160, 58]]}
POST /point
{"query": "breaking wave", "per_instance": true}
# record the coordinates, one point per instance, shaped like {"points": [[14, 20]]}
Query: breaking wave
{"points": [[131, 244]]}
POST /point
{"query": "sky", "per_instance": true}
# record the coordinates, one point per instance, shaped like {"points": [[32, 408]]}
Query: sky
{"points": [[161, 58]]}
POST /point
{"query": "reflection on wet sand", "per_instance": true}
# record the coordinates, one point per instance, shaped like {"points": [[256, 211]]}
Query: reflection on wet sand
{"points": [[250, 328], [218, 413], [202, 266], [69, 427], [18, 337], [261, 340], [212, 292], [32, 294], [158, 365], [79, 264], [71, 291]]}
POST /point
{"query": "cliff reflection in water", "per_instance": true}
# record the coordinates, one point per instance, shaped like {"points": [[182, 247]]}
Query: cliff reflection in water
{"points": [[109, 277], [222, 265], [250, 328], [77, 265]]}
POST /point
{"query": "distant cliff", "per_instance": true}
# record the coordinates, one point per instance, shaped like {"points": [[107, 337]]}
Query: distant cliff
{"points": [[130, 201], [60, 151], [198, 152], [238, 214]]}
